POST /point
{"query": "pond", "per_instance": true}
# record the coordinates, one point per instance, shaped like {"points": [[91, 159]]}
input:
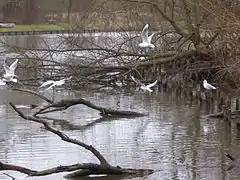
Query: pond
{"points": [[174, 139]]}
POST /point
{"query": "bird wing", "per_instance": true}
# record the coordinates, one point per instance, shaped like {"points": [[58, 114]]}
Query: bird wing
{"points": [[150, 37], [152, 84], [211, 86], [2, 82], [50, 87], [6, 68], [137, 81], [13, 66], [69, 78], [60, 82], [13, 80], [144, 34], [47, 83]]}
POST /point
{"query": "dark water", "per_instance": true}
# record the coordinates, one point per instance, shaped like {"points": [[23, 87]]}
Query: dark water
{"points": [[173, 139]]}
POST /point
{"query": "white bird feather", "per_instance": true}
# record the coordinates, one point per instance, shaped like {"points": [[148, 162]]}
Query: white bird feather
{"points": [[143, 86], [10, 70], [54, 83], [207, 86], [47, 83], [2, 82], [146, 40]]}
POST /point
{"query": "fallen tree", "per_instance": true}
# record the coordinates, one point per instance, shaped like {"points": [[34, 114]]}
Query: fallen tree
{"points": [[64, 104], [194, 38], [81, 169]]}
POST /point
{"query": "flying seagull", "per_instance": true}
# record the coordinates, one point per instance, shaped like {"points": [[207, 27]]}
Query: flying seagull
{"points": [[52, 83], [10, 71], [146, 40], [143, 86], [207, 86], [2, 82]]}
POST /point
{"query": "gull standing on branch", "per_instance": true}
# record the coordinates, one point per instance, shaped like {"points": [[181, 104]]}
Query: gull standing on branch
{"points": [[10, 71], [54, 83], [146, 40], [143, 86], [208, 86]]}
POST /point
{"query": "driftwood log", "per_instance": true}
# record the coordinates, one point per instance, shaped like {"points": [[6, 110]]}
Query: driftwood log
{"points": [[82, 169]]}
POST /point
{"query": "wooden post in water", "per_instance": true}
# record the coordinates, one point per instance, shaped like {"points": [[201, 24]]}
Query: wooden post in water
{"points": [[208, 97], [229, 113], [224, 109], [238, 126], [237, 104], [228, 109], [219, 100], [229, 101]]}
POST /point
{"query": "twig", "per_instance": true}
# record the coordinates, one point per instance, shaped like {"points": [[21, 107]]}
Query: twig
{"points": [[230, 157], [171, 21], [13, 178]]}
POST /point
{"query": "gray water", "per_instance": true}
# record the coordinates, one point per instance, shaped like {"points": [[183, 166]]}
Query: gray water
{"points": [[174, 139]]}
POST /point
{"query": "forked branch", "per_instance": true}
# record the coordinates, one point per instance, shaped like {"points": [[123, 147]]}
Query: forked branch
{"points": [[63, 136]]}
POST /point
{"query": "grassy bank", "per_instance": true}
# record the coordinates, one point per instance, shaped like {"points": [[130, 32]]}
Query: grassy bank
{"points": [[38, 27]]}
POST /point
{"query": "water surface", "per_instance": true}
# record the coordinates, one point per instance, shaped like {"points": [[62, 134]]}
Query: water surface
{"points": [[173, 139]]}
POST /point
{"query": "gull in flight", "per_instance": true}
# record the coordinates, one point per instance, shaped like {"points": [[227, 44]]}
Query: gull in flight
{"points": [[52, 83], [143, 86], [10, 71], [207, 86], [146, 40], [2, 82]]}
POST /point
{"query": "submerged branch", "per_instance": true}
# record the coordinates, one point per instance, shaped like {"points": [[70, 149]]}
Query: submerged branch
{"points": [[86, 169], [220, 114], [234, 162], [64, 104]]}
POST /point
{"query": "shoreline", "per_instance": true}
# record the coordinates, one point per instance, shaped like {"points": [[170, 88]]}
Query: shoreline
{"points": [[55, 29], [39, 32]]}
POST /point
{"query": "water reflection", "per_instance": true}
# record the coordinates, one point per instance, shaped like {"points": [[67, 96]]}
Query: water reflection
{"points": [[173, 139]]}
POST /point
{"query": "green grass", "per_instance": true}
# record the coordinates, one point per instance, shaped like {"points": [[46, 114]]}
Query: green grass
{"points": [[38, 27]]}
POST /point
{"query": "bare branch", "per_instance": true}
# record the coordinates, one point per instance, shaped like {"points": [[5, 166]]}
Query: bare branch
{"points": [[13, 178], [165, 16], [64, 104], [87, 169], [63, 136], [230, 157]]}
